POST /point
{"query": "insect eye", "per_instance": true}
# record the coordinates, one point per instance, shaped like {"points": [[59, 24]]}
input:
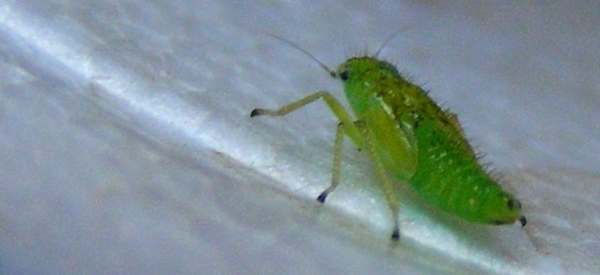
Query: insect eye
{"points": [[344, 75]]}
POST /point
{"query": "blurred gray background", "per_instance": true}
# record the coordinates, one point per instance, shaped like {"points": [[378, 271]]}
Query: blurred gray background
{"points": [[126, 146]]}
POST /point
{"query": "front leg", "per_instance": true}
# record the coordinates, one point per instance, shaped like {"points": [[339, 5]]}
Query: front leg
{"points": [[334, 105]]}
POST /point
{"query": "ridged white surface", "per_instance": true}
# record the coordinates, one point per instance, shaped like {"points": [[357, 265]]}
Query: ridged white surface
{"points": [[126, 147]]}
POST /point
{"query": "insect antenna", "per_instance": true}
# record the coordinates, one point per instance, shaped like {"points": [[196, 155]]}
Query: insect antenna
{"points": [[294, 45], [388, 40]]}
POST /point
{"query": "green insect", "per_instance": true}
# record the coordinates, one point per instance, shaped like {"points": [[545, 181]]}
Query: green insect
{"points": [[408, 136]]}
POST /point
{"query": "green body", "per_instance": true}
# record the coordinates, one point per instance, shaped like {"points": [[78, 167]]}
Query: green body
{"points": [[420, 143], [410, 137]]}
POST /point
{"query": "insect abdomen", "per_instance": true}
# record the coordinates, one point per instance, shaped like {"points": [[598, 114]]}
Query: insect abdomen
{"points": [[453, 180]]}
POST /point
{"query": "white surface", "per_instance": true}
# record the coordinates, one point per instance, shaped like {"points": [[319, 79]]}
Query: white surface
{"points": [[126, 145]]}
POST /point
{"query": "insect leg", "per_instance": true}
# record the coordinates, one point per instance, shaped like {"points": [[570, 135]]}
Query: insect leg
{"points": [[337, 159], [386, 184], [338, 110]]}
